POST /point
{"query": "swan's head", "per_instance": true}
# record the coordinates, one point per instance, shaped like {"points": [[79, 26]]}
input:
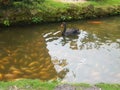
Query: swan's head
{"points": [[63, 24]]}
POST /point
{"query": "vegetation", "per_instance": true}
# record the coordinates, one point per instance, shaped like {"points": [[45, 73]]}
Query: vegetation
{"points": [[28, 84], [104, 86], [27, 11], [6, 3], [6, 22]]}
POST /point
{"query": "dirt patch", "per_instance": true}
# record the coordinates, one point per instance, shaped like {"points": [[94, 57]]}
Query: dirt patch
{"points": [[72, 1]]}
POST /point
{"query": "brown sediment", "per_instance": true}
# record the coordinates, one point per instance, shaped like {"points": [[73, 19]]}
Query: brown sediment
{"points": [[1, 76], [28, 62]]}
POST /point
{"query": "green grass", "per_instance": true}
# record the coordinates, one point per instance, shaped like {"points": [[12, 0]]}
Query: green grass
{"points": [[100, 3], [105, 2], [55, 4], [104, 86], [28, 84]]}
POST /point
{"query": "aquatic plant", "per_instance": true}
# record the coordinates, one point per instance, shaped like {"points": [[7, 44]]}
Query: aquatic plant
{"points": [[36, 19], [6, 22]]}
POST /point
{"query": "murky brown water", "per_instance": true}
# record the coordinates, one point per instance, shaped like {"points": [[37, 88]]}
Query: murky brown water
{"points": [[41, 52]]}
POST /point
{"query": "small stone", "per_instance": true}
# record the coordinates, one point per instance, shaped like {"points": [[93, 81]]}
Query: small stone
{"points": [[92, 88], [65, 87]]}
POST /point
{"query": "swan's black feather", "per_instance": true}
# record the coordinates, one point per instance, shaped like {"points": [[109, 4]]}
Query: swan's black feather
{"points": [[68, 32]]}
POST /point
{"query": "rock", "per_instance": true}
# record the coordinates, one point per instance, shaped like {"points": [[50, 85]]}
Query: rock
{"points": [[92, 88], [65, 87], [70, 87]]}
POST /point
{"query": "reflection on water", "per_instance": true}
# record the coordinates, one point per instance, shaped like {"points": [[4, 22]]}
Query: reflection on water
{"points": [[93, 56], [41, 52]]}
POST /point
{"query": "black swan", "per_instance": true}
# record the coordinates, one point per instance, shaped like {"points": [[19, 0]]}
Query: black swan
{"points": [[69, 32]]}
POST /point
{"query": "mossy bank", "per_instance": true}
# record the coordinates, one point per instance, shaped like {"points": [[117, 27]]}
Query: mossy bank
{"points": [[49, 12]]}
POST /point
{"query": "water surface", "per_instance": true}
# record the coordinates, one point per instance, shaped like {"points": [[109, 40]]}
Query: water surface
{"points": [[41, 52]]}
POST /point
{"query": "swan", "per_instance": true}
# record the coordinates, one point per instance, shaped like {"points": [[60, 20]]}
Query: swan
{"points": [[69, 32]]}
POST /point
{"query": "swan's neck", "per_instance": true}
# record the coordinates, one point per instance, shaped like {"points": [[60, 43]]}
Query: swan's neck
{"points": [[64, 30]]}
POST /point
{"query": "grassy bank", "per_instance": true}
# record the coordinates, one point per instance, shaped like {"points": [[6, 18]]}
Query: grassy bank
{"points": [[27, 85], [52, 11], [38, 85], [105, 3]]}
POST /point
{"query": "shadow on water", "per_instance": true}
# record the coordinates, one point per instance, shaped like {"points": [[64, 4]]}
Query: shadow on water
{"points": [[41, 52]]}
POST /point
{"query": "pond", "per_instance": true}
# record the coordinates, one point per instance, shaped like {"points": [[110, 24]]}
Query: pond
{"points": [[40, 52]]}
